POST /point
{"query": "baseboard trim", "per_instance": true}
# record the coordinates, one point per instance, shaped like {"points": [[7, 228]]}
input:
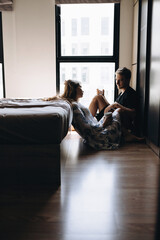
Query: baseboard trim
{"points": [[154, 148]]}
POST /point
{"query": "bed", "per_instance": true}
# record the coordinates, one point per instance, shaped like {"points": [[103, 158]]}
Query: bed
{"points": [[31, 132]]}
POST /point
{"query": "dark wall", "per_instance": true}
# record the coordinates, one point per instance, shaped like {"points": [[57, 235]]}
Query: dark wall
{"points": [[1, 43], [154, 77], [148, 85], [142, 84]]}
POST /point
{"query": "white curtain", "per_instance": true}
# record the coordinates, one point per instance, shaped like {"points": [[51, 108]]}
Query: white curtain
{"points": [[6, 5]]}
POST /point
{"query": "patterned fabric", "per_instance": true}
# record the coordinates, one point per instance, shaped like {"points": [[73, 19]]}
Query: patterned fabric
{"points": [[93, 132]]}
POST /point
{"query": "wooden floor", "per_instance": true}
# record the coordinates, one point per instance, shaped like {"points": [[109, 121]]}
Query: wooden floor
{"points": [[105, 195]]}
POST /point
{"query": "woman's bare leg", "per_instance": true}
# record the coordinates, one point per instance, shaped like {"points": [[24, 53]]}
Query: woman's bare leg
{"points": [[98, 103]]}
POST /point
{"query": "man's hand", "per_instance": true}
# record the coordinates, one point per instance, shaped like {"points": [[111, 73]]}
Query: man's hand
{"points": [[107, 120]]}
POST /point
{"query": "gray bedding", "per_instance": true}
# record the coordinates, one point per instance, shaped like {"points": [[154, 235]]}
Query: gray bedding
{"points": [[34, 121]]}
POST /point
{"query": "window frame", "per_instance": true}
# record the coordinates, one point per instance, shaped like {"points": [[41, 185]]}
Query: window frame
{"points": [[106, 59], [2, 55]]}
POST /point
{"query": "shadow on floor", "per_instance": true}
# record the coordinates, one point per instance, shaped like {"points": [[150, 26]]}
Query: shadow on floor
{"points": [[21, 210]]}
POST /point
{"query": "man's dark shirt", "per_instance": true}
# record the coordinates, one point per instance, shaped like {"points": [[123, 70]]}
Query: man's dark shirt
{"points": [[128, 99]]}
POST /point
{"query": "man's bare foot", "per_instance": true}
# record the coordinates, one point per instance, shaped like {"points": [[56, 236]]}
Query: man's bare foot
{"points": [[132, 138], [100, 92]]}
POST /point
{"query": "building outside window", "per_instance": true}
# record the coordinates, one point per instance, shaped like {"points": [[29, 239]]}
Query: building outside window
{"points": [[63, 49], [74, 49], [63, 76], [74, 73], [85, 77], [105, 25], [85, 26], [105, 48], [74, 27], [63, 28], [85, 49]]}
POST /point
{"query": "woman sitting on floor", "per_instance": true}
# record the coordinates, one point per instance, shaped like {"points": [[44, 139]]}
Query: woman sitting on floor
{"points": [[103, 134]]}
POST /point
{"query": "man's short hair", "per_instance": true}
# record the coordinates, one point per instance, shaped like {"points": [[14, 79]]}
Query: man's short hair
{"points": [[124, 72]]}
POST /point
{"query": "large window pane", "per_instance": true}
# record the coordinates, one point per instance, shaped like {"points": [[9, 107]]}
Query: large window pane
{"points": [[88, 34], [91, 76], [74, 27], [1, 81], [89, 27], [105, 25], [85, 26]]}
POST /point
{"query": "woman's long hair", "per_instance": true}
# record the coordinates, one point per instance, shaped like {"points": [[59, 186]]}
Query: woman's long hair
{"points": [[70, 91]]}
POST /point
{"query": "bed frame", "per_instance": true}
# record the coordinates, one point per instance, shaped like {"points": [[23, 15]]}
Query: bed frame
{"points": [[25, 163]]}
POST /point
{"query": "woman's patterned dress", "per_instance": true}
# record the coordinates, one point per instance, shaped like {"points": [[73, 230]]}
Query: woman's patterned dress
{"points": [[93, 132]]}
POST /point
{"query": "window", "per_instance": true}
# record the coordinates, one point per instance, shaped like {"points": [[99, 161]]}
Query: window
{"points": [[2, 92], [88, 51], [84, 76], [63, 76], [84, 49], [92, 75], [74, 73], [105, 26], [74, 27], [1, 81], [90, 30], [107, 73], [74, 49], [63, 28], [84, 26], [105, 48], [63, 49]]}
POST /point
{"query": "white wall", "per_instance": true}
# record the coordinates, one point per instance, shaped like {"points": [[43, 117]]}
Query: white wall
{"points": [[135, 43], [126, 33], [29, 46], [29, 49]]}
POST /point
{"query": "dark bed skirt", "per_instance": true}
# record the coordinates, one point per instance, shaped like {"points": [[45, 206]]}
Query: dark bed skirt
{"points": [[30, 165]]}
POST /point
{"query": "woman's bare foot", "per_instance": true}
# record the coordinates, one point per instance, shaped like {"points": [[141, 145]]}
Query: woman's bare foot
{"points": [[100, 92]]}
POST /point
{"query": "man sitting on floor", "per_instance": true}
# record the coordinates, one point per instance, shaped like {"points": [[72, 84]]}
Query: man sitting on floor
{"points": [[127, 102]]}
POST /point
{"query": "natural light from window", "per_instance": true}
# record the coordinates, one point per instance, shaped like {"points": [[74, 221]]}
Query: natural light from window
{"points": [[87, 30], [91, 76], [1, 81]]}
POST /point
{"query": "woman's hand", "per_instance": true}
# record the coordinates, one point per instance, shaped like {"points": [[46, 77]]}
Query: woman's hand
{"points": [[107, 120], [113, 107], [116, 105]]}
